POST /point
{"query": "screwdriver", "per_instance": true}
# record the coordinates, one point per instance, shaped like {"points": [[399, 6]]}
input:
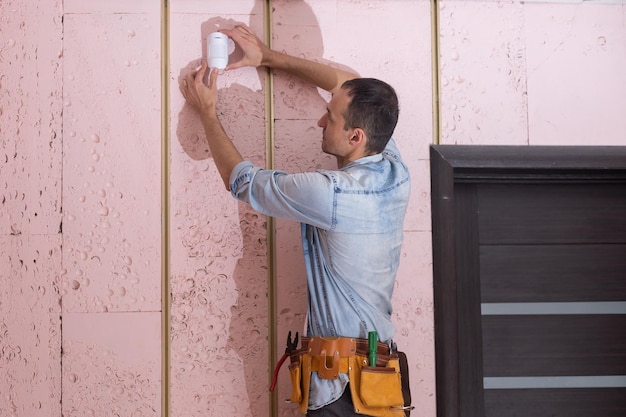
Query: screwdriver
{"points": [[372, 344]]}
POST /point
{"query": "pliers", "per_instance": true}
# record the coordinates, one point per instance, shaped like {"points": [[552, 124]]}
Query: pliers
{"points": [[291, 346]]}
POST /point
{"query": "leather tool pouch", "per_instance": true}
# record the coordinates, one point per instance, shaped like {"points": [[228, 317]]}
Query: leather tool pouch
{"points": [[380, 391], [300, 374]]}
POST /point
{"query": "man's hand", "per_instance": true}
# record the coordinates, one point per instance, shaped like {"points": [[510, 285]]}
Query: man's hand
{"points": [[256, 53], [254, 50], [203, 98]]}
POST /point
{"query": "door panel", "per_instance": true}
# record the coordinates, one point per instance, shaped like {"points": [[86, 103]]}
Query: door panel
{"points": [[529, 265]]}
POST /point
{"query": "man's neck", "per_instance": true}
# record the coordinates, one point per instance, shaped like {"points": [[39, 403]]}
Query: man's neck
{"points": [[343, 161]]}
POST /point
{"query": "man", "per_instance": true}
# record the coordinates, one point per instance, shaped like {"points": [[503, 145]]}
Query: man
{"points": [[352, 218]]}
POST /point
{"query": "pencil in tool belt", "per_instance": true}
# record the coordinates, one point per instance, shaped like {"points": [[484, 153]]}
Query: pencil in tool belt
{"points": [[372, 344]]}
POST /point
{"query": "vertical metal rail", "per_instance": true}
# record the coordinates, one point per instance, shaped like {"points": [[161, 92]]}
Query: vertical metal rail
{"points": [[165, 195], [165, 210], [434, 16], [271, 230]]}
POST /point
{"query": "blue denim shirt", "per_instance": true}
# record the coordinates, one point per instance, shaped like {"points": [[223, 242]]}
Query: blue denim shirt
{"points": [[352, 223]]}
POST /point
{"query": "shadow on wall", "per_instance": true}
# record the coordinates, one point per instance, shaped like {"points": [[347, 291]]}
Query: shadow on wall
{"points": [[242, 114], [189, 129]]}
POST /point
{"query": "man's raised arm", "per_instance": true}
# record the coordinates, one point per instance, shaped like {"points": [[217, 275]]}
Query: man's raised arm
{"points": [[204, 97], [256, 54]]}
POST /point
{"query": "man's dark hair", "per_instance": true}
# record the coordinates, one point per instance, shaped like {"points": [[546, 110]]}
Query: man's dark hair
{"points": [[374, 108]]}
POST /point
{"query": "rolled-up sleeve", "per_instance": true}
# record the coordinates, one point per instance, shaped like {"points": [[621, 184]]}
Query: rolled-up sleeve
{"points": [[305, 197]]}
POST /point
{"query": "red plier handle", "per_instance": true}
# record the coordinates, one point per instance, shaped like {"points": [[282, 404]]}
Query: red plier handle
{"points": [[276, 369], [291, 346]]}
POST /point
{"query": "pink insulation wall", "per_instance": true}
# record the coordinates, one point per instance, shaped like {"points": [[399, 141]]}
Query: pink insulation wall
{"points": [[219, 265], [31, 128], [109, 199], [110, 281], [540, 73]]}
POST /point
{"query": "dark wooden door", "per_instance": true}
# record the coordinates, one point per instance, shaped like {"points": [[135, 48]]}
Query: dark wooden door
{"points": [[529, 252]]}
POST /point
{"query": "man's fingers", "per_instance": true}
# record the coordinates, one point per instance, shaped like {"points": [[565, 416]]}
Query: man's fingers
{"points": [[189, 79], [237, 32], [213, 78], [199, 76], [184, 86], [235, 65]]}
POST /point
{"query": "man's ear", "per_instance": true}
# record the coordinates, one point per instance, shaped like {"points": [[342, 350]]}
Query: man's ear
{"points": [[358, 136]]}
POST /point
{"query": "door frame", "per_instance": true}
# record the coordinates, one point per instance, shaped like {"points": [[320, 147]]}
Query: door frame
{"points": [[455, 171]]}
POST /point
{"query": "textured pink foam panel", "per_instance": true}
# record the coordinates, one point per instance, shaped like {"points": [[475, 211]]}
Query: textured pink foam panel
{"points": [[413, 316], [112, 364], [112, 160], [30, 208], [219, 265], [482, 73], [30, 117], [30, 326], [576, 66], [396, 47], [298, 31], [418, 216], [110, 6], [219, 338], [222, 8], [298, 106], [297, 150], [393, 45]]}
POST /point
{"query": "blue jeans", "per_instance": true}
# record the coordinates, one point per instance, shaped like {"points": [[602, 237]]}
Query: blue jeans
{"points": [[343, 407]]}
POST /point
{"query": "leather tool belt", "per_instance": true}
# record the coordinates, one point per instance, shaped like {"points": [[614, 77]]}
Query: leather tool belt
{"points": [[381, 390]]}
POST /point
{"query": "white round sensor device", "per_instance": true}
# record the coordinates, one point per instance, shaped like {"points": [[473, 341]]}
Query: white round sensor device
{"points": [[217, 50]]}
